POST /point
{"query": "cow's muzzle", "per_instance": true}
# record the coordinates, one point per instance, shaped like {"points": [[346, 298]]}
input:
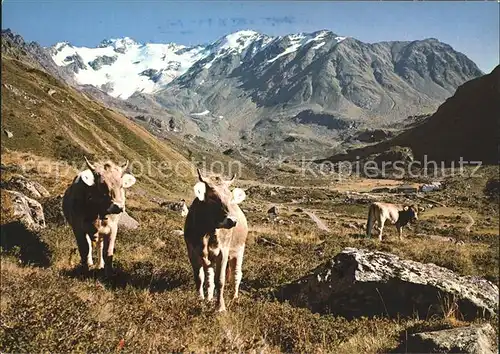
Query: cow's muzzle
{"points": [[114, 209], [228, 223]]}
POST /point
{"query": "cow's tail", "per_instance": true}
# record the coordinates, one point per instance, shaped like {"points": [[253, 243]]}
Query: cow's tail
{"points": [[371, 220]]}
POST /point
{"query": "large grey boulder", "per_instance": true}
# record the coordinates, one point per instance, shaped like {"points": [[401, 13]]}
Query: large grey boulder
{"points": [[28, 187], [474, 339], [28, 211], [359, 282]]}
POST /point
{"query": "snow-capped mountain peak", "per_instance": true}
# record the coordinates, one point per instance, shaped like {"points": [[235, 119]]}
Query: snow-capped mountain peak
{"points": [[298, 40], [124, 42], [237, 41], [123, 66]]}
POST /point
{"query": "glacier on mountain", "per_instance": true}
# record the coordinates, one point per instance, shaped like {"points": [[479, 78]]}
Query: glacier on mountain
{"points": [[123, 66]]}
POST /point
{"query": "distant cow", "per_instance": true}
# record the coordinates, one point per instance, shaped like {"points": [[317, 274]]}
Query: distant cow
{"points": [[92, 205], [177, 206], [397, 214], [215, 232]]}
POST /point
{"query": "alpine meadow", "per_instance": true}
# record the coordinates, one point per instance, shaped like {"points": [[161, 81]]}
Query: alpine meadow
{"points": [[274, 189]]}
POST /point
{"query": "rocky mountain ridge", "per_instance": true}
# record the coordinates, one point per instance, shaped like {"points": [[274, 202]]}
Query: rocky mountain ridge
{"points": [[293, 94], [464, 127]]}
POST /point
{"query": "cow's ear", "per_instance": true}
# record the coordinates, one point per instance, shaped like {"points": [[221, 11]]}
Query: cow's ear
{"points": [[128, 180], [239, 195], [200, 189], [405, 208], [87, 177]]}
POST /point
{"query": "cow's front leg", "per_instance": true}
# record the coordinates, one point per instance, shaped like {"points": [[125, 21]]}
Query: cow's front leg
{"points": [[109, 248], [220, 275], [84, 248], [211, 283], [238, 274], [400, 231], [100, 252], [90, 261]]}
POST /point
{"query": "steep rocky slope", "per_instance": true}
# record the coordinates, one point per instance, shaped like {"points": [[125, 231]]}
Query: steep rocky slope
{"points": [[34, 54], [347, 78], [52, 122], [466, 126]]}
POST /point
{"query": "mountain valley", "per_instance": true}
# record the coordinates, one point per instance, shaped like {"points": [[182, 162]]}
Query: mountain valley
{"points": [[305, 94]]}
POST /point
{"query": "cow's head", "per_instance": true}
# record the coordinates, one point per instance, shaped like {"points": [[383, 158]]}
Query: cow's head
{"points": [[218, 201], [411, 212], [107, 184]]}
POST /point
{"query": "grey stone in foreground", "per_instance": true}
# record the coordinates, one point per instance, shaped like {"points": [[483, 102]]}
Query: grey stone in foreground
{"points": [[359, 282], [475, 339], [28, 211], [127, 222]]}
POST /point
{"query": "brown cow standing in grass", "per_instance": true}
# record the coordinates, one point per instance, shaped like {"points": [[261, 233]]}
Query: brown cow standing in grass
{"points": [[215, 232], [92, 205], [397, 214]]}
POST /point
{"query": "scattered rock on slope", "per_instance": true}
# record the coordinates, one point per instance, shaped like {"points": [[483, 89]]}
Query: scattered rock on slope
{"points": [[475, 339], [359, 282], [26, 186], [127, 222], [373, 136], [26, 210], [273, 211]]}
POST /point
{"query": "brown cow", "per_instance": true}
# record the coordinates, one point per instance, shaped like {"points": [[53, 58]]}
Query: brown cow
{"points": [[215, 232], [92, 205], [397, 214]]}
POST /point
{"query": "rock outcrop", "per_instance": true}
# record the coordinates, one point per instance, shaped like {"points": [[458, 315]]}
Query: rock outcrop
{"points": [[273, 211], [359, 282], [26, 186], [27, 211], [99, 62], [475, 339], [127, 222]]}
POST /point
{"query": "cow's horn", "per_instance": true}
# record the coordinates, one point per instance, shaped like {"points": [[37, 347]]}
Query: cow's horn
{"points": [[199, 175], [124, 166], [232, 179], [92, 167]]}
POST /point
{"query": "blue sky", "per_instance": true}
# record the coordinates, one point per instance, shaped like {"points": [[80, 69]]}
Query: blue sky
{"points": [[468, 26]]}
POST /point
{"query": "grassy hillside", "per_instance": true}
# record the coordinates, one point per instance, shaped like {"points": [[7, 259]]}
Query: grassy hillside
{"points": [[65, 125]]}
